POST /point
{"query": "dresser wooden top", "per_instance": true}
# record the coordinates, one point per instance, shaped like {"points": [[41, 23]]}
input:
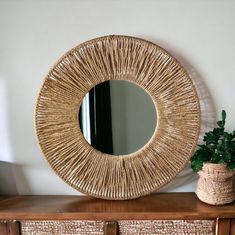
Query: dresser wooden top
{"points": [[157, 206]]}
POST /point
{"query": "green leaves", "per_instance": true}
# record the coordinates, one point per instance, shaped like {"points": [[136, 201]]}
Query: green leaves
{"points": [[223, 116], [203, 154], [221, 123], [219, 147]]}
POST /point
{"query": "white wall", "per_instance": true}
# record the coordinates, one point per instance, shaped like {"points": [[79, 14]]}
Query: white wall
{"points": [[34, 34]]}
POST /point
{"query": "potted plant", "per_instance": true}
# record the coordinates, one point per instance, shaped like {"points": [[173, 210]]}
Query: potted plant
{"points": [[215, 163]]}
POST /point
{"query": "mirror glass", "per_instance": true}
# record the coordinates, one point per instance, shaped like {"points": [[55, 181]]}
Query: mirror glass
{"points": [[117, 117]]}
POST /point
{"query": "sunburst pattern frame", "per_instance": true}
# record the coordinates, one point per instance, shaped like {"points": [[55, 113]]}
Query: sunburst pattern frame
{"points": [[117, 58]]}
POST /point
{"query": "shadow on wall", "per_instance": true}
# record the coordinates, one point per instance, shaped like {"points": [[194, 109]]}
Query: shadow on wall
{"points": [[208, 119], [7, 180], [10, 172]]}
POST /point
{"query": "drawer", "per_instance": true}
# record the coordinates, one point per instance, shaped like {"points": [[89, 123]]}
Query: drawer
{"points": [[167, 227], [57, 227], [125, 227]]}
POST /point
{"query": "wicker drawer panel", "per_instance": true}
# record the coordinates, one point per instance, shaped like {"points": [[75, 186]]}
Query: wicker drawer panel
{"points": [[167, 227], [126, 227], [57, 227]]}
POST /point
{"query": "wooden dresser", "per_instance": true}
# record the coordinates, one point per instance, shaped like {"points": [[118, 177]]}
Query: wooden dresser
{"points": [[164, 213]]}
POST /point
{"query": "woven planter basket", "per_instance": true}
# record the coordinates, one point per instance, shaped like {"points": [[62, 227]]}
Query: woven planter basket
{"points": [[215, 184]]}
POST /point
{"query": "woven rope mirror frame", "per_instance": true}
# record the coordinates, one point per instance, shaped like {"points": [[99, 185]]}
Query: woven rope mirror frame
{"points": [[117, 58]]}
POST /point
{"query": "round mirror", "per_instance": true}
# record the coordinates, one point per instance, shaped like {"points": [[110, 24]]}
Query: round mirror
{"points": [[112, 58], [117, 117]]}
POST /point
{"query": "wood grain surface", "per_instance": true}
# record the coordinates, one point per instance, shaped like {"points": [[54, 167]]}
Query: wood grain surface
{"points": [[152, 207]]}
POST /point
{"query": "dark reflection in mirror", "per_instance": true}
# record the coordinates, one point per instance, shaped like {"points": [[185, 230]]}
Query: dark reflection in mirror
{"points": [[117, 117]]}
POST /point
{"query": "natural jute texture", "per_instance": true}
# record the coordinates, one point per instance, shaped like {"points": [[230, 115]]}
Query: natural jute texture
{"points": [[167, 227], [117, 58], [215, 185], [126, 227]]}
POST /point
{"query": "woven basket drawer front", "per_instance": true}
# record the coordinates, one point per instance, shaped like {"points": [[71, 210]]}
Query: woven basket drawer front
{"points": [[126, 227], [57, 227], [167, 227]]}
